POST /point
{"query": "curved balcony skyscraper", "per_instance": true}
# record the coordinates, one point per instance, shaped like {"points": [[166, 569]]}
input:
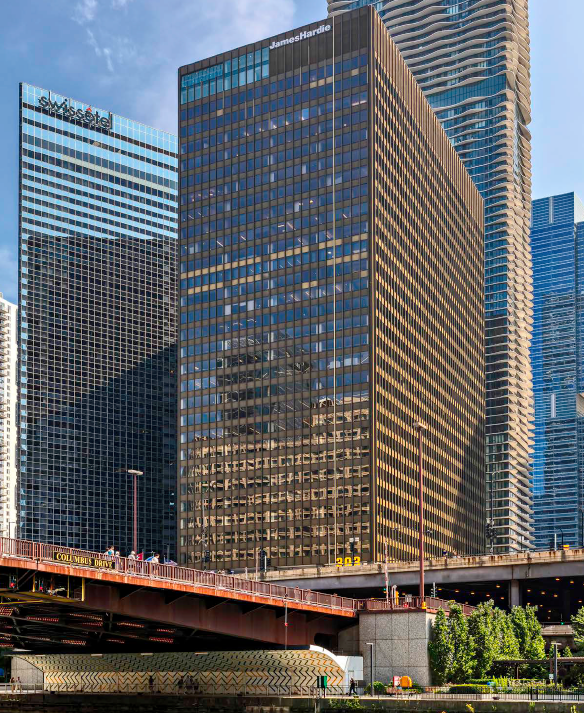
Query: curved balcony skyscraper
{"points": [[471, 58]]}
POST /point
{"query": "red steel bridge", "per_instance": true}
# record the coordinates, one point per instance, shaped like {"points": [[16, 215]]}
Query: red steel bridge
{"points": [[57, 599]]}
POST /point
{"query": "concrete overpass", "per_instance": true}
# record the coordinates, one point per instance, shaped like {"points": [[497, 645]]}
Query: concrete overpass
{"points": [[552, 579]]}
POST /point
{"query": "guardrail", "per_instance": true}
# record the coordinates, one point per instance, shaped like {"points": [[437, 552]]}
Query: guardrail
{"points": [[527, 557], [222, 583]]}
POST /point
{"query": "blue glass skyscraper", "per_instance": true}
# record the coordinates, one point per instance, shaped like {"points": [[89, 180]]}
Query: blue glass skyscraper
{"points": [[557, 239], [471, 58], [97, 325]]}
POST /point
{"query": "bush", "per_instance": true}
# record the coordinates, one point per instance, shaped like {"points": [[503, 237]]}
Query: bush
{"points": [[469, 688], [378, 688]]}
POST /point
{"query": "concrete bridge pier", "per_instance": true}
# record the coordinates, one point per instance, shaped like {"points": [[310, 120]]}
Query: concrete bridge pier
{"points": [[397, 641], [514, 593]]}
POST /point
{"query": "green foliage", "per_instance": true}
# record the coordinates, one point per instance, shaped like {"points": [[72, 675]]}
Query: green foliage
{"points": [[507, 646], [379, 687], [535, 647], [482, 630], [462, 645], [440, 650], [346, 704], [566, 653], [469, 688], [463, 649], [578, 627]]}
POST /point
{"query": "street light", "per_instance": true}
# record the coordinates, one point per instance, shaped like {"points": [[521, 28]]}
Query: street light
{"points": [[135, 474], [555, 645], [371, 660], [420, 428]]}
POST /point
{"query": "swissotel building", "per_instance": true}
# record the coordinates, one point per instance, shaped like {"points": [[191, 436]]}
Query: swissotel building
{"points": [[471, 59], [331, 296], [97, 326]]}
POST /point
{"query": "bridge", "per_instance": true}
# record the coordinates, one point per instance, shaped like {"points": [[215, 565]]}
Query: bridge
{"points": [[55, 600], [551, 579]]}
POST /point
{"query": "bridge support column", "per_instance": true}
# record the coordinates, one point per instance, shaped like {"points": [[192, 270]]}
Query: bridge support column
{"points": [[400, 645], [514, 593], [566, 606]]}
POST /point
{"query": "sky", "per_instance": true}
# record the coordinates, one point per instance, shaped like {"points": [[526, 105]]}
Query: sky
{"points": [[122, 56]]}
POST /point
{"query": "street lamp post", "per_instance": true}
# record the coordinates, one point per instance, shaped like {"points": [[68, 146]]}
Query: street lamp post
{"points": [[420, 428], [135, 474], [371, 663]]}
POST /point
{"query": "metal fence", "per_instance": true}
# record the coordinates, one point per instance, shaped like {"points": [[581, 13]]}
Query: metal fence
{"points": [[223, 584]]}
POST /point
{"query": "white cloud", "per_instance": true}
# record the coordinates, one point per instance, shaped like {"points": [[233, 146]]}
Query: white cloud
{"points": [[107, 53], [9, 274], [187, 31], [85, 11], [120, 3]]}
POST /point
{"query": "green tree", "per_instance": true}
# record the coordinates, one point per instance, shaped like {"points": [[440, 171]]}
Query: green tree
{"points": [[440, 649], [482, 632], [462, 645], [520, 627], [507, 645], [566, 653], [578, 627], [535, 647]]}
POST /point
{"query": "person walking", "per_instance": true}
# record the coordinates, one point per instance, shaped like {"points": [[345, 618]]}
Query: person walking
{"points": [[352, 687], [12, 684]]}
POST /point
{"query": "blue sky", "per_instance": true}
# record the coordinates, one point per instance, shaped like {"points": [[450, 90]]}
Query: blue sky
{"points": [[122, 55]]}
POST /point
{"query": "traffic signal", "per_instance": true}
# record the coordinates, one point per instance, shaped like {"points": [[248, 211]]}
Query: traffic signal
{"points": [[12, 582], [207, 557], [263, 560], [41, 585]]}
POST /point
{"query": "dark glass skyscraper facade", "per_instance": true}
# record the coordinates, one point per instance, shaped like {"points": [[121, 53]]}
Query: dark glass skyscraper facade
{"points": [[331, 277], [471, 58], [97, 325], [557, 240]]}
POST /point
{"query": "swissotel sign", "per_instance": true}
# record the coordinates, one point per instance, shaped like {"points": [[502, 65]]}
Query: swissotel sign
{"points": [[93, 118], [301, 36]]}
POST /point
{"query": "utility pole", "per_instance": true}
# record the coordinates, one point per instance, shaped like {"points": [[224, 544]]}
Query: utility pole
{"points": [[135, 474], [387, 574], [420, 428]]}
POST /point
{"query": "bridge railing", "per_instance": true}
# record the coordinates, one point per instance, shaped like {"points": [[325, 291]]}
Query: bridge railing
{"points": [[409, 602], [26, 549]]}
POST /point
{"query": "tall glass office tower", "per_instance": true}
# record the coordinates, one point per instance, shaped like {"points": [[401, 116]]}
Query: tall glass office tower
{"points": [[557, 239], [97, 325], [471, 58], [331, 296]]}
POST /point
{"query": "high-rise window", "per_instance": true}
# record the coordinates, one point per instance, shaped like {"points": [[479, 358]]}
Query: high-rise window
{"points": [[471, 58], [331, 276], [97, 326]]}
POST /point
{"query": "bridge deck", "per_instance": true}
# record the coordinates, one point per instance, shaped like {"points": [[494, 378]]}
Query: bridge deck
{"points": [[120, 570]]}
